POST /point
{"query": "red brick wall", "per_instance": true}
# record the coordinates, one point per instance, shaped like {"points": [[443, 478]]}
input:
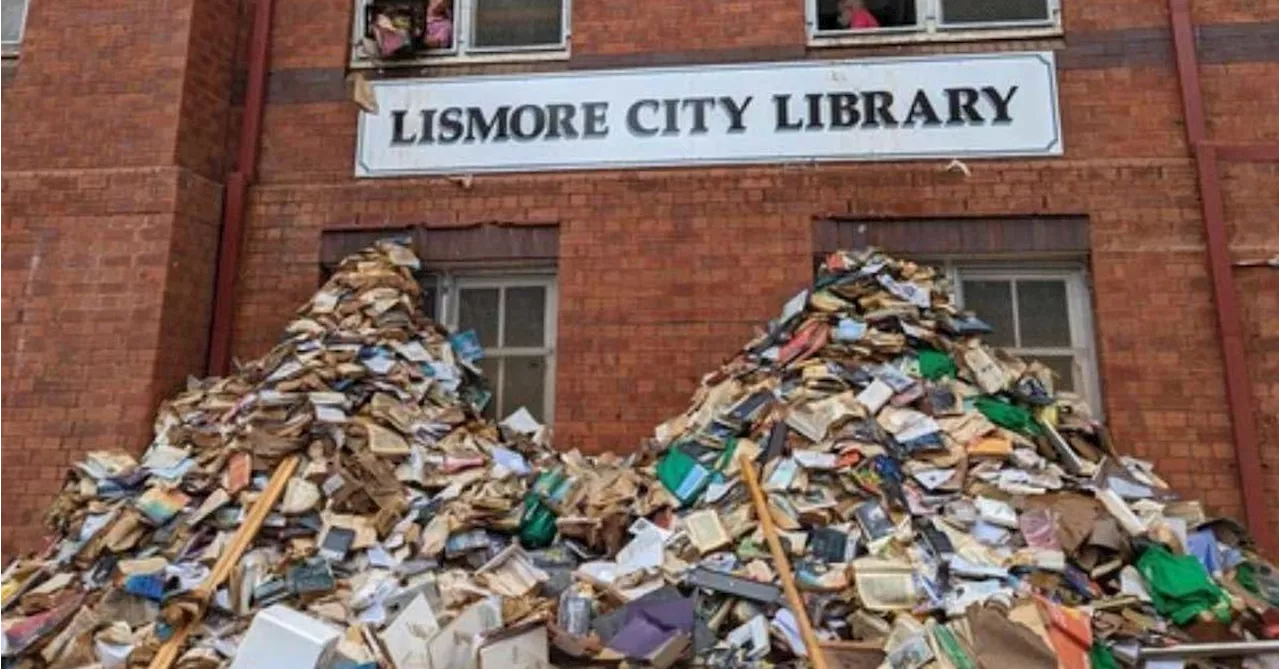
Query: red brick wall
{"points": [[308, 34], [1112, 15], [215, 27], [93, 89], [114, 123], [1240, 102], [672, 25], [86, 279], [1234, 11], [1250, 196]]}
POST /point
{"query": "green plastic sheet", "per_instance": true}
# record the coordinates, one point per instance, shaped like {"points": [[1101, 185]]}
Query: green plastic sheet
{"points": [[1180, 587], [1007, 415], [935, 365]]}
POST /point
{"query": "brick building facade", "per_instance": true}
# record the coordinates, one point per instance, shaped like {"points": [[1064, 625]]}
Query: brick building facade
{"points": [[122, 124]]}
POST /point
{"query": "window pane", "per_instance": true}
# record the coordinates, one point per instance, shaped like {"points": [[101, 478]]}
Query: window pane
{"points": [[523, 381], [987, 11], [889, 13], [430, 284], [478, 309], [992, 301], [526, 316], [517, 22], [1062, 367], [848, 14], [11, 18], [490, 368], [1042, 314], [439, 25], [828, 14]]}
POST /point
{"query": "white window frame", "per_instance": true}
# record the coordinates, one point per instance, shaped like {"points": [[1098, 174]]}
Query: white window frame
{"points": [[9, 49], [461, 52], [449, 284], [930, 27], [1079, 313]]}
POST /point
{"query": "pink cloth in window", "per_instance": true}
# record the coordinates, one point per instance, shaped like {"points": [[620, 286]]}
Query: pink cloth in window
{"points": [[440, 32], [390, 40], [863, 19]]}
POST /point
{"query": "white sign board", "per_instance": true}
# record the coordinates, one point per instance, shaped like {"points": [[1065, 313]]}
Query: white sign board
{"points": [[956, 106]]}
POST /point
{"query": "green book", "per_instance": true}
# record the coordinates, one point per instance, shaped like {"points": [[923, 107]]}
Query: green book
{"points": [[683, 475]]}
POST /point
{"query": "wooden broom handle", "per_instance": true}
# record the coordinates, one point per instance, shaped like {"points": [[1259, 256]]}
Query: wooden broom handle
{"points": [[229, 559], [816, 654]]}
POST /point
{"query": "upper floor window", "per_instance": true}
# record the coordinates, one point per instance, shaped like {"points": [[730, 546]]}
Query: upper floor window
{"points": [[388, 32], [854, 21], [13, 17]]}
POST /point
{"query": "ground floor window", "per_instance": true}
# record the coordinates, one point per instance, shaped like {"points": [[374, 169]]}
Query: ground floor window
{"points": [[498, 280], [1027, 276], [514, 317], [1040, 312]]}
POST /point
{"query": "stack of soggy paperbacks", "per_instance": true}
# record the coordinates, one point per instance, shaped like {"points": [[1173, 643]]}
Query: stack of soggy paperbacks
{"points": [[939, 503]]}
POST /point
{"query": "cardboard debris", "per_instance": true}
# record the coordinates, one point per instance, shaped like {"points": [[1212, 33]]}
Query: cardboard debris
{"points": [[938, 500]]}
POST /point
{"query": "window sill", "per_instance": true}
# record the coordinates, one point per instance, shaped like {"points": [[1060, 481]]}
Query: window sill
{"points": [[940, 36], [540, 56]]}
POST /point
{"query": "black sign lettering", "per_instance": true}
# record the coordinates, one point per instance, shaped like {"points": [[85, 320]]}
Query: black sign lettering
{"points": [[844, 110], [735, 112], [476, 120], [672, 107], [962, 103], [696, 115], [1001, 103], [921, 106], [875, 105], [560, 122], [595, 124], [633, 118], [525, 116], [450, 125], [700, 106], [780, 104], [397, 128], [428, 135], [815, 111]]}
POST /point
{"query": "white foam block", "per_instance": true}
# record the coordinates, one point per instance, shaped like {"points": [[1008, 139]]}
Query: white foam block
{"points": [[283, 638]]}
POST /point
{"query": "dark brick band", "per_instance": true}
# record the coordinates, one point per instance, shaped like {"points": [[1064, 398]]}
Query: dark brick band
{"points": [[1050, 235], [437, 246]]}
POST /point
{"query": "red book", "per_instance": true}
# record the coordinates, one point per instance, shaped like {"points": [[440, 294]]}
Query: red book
{"points": [[1069, 632], [239, 471]]}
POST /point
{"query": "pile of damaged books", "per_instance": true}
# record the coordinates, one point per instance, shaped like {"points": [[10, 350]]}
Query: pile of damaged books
{"points": [[864, 484]]}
